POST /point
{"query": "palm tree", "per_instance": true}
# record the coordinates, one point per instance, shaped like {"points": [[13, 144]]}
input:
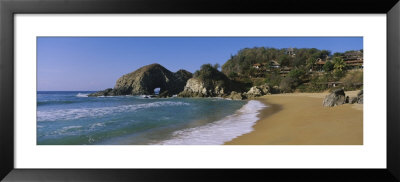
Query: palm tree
{"points": [[338, 64]]}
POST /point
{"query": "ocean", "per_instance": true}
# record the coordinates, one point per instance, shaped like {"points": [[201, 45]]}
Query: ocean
{"points": [[73, 118]]}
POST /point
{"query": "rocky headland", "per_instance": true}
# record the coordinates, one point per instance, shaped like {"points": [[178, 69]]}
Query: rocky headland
{"points": [[206, 82], [144, 80], [209, 82]]}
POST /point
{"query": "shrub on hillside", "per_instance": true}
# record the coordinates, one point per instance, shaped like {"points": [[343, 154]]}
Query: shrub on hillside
{"points": [[353, 80], [287, 85], [210, 75], [273, 79]]}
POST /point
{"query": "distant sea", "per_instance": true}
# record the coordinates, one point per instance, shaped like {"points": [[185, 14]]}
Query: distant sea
{"points": [[73, 118]]}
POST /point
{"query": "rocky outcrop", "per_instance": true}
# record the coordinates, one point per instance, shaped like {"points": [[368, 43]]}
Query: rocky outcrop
{"points": [[144, 80], [106, 92], [198, 88], [257, 91], [359, 99], [337, 97], [183, 75], [207, 82], [236, 96]]}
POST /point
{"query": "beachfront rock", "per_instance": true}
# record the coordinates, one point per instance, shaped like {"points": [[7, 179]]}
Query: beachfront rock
{"points": [[257, 91], [106, 92], [254, 92], [194, 88], [337, 97], [353, 100], [144, 80], [198, 88], [275, 90], [236, 96], [265, 89], [359, 99], [163, 94]]}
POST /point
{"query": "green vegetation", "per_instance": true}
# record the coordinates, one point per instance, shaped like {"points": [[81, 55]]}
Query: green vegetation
{"points": [[328, 66], [353, 80], [210, 74], [305, 70], [242, 63], [211, 77]]}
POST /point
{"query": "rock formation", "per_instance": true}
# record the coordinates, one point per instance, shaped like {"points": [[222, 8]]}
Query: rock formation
{"points": [[207, 82], [144, 80], [359, 99], [237, 96], [257, 91], [337, 97], [198, 88]]}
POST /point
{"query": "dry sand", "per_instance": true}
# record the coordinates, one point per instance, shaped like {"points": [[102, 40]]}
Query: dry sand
{"points": [[300, 119]]}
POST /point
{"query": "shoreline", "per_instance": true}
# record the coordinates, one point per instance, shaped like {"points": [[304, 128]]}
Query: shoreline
{"points": [[300, 119]]}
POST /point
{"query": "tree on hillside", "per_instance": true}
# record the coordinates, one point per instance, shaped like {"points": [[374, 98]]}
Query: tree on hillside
{"points": [[324, 54], [328, 66], [338, 64], [284, 60], [216, 66], [338, 54], [310, 62]]}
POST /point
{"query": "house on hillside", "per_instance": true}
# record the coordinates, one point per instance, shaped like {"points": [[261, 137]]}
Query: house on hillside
{"points": [[354, 60], [285, 70], [355, 64], [274, 64], [353, 55], [257, 66], [319, 64], [290, 52]]}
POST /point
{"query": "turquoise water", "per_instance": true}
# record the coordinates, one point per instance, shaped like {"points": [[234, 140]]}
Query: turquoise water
{"points": [[72, 118]]}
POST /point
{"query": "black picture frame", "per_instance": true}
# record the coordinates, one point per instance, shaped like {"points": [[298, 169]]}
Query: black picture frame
{"points": [[10, 7]]}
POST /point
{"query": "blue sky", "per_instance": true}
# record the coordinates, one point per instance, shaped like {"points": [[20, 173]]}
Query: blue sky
{"points": [[95, 63]]}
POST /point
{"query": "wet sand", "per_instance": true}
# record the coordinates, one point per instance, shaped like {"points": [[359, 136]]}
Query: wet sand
{"points": [[300, 119]]}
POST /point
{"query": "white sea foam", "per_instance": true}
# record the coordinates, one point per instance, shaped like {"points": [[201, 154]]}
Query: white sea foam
{"points": [[65, 130], [95, 125], [70, 114], [82, 95], [71, 127], [221, 131]]}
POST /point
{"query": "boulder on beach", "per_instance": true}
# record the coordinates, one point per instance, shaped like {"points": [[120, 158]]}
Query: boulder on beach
{"points": [[359, 99], [336, 98]]}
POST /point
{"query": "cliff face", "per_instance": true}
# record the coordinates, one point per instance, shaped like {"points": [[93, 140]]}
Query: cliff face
{"points": [[208, 82], [144, 80], [198, 88]]}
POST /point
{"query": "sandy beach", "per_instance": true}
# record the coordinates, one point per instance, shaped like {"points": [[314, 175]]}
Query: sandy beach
{"points": [[300, 119]]}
